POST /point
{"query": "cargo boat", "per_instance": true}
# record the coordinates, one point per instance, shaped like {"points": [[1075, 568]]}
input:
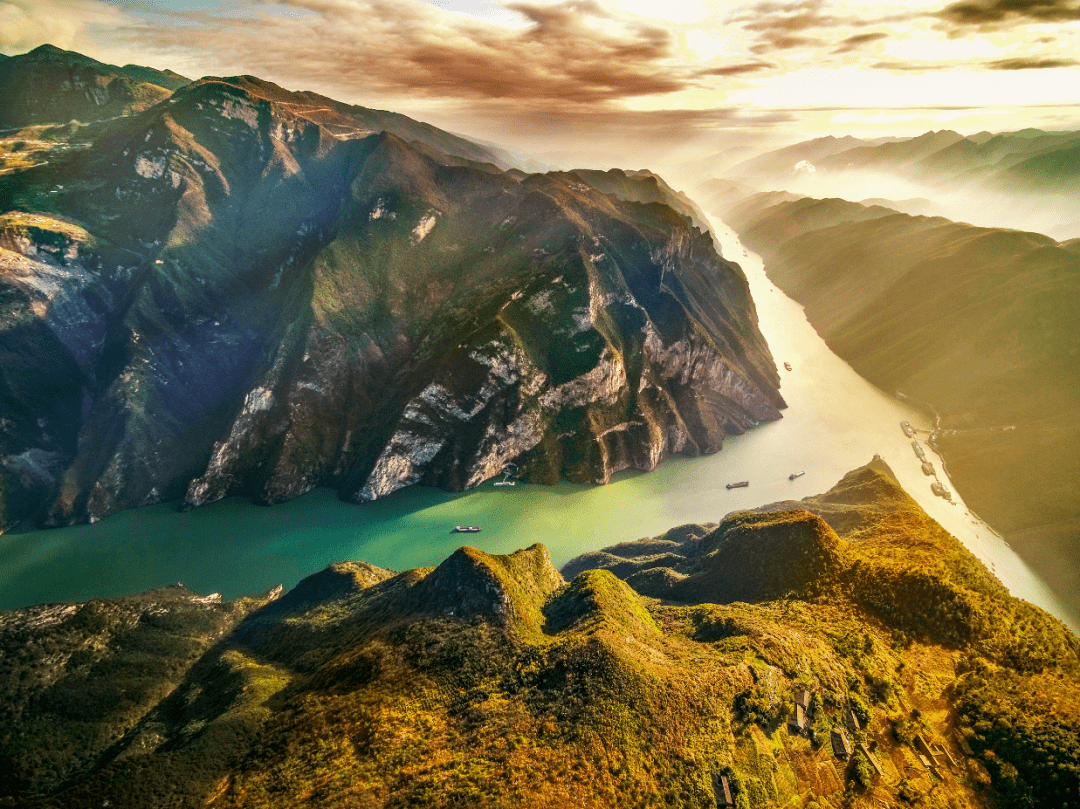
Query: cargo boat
{"points": [[909, 431], [467, 529], [918, 450], [937, 488], [742, 484], [794, 475]]}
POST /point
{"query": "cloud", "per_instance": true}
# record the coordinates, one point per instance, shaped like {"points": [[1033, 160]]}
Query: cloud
{"points": [[571, 52], [778, 42], [736, 70], [1030, 63], [990, 12], [25, 24], [780, 25], [912, 67], [858, 40]]}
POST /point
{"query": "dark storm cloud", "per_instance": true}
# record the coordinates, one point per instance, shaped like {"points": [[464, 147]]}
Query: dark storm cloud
{"points": [[858, 40], [574, 51], [991, 12]]}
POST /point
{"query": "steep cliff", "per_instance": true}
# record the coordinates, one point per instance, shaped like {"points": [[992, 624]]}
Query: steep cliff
{"points": [[222, 296]]}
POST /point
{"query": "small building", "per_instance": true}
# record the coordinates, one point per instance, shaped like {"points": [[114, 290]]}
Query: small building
{"points": [[923, 747], [723, 792], [851, 721], [942, 754], [840, 744], [927, 762], [802, 697], [797, 721]]}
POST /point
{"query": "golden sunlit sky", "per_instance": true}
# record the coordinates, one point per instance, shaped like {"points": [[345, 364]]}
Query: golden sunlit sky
{"points": [[551, 76]]}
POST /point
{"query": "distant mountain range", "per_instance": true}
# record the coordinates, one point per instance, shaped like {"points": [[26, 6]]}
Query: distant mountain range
{"points": [[1024, 161], [979, 323], [842, 648], [244, 290]]}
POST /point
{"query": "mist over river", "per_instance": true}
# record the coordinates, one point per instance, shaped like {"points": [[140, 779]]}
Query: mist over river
{"points": [[835, 421]]}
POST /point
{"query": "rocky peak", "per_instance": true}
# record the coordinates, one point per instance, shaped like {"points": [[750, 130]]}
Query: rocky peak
{"points": [[510, 589]]}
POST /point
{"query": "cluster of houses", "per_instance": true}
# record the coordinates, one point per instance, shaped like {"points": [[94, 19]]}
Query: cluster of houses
{"points": [[936, 758], [799, 722]]}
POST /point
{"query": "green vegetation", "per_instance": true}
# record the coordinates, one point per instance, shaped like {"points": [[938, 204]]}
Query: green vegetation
{"points": [[490, 681]]}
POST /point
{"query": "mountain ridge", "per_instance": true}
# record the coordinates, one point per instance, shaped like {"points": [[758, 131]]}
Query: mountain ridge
{"points": [[245, 303], [491, 679]]}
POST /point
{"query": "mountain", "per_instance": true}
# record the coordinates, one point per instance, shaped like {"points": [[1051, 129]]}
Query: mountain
{"points": [[493, 681], [53, 86], [1057, 168], [644, 186], [892, 154], [1025, 161], [976, 323], [783, 161], [232, 293]]}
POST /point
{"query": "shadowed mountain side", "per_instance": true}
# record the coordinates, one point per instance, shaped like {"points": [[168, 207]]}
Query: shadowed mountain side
{"points": [[228, 298], [978, 323], [489, 681]]}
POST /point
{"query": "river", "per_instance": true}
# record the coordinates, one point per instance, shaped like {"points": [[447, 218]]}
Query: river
{"points": [[835, 422]]}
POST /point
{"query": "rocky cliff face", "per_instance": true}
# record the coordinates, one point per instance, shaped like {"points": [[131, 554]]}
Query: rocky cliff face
{"points": [[221, 297]]}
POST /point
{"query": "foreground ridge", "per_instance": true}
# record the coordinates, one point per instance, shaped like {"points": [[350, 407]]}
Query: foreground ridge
{"points": [[876, 661]]}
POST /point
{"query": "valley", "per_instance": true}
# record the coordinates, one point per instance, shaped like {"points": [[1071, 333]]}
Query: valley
{"points": [[668, 670], [974, 323], [348, 461]]}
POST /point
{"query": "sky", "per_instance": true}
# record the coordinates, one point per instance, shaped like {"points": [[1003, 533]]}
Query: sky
{"points": [[613, 76]]}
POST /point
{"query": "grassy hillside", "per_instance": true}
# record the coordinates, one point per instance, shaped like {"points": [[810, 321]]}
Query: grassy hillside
{"points": [[491, 681]]}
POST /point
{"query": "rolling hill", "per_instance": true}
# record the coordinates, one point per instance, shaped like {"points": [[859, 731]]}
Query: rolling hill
{"points": [[493, 681]]}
